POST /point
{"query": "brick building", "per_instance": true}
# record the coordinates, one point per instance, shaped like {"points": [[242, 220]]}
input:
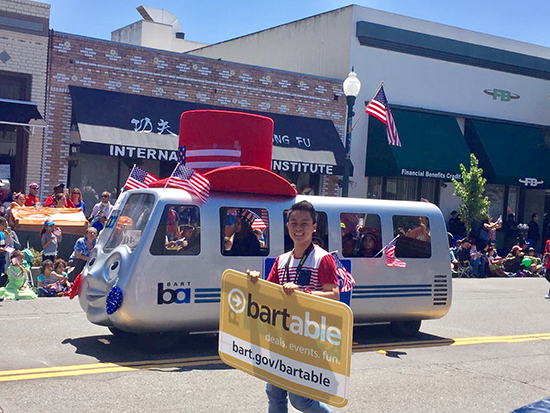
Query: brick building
{"points": [[23, 65], [112, 105]]}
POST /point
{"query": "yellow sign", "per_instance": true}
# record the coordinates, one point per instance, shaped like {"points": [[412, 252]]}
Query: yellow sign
{"points": [[300, 343]]}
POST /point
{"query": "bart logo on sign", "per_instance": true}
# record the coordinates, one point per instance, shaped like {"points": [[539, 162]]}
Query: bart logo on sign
{"points": [[301, 343]]}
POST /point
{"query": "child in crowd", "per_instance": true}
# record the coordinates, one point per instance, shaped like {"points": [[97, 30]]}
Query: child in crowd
{"points": [[59, 270], [50, 283], [51, 237], [18, 275]]}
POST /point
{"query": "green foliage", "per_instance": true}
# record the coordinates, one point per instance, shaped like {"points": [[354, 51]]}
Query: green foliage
{"points": [[474, 204], [37, 258]]}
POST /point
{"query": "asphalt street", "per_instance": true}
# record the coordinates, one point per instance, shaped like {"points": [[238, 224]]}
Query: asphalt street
{"points": [[491, 353]]}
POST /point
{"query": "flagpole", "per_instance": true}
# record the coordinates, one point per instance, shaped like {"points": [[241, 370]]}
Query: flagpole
{"points": [[364, 111], [384, 247]]}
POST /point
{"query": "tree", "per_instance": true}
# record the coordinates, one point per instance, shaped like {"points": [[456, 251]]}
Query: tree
{"points": [[474, 204]]}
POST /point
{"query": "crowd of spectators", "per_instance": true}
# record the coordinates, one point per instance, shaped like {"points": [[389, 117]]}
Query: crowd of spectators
{"points": [[56, 274], [523, 250]]}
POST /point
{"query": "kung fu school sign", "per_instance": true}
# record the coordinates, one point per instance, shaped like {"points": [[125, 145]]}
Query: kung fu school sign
{"points": [[128, 126]]}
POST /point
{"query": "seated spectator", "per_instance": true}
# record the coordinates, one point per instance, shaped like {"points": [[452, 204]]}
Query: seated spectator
{"points": [[76, 197], [101, 211], [18, 202], [82, 248], [479, 261], [60, 271], [47, 281], [533, 265], [496, 266], [512, 261], [32, 198], [51, 200], [18, 287], [463, 251], [59, 201]]}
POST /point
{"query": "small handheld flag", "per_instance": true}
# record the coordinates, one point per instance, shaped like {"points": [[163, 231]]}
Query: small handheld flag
{"points": [[193, 182], [139, 178], [380, 109], [389, 252], [347, 279]]}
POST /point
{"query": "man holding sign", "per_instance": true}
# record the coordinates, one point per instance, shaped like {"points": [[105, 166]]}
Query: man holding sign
{"points": [[307, 268]]}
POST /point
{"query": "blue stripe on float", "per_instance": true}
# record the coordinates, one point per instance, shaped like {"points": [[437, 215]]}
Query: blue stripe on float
{"points": [[423, 290], [389, 295], [199, 301], [202, 295], [207, 290], [394, 286]]}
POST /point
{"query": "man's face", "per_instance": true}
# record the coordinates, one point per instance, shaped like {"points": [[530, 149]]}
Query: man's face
{"points": [[33, 191], [536, 218], [301, 227]]}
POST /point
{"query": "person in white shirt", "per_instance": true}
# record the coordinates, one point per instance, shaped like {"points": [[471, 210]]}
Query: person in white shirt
{"points": [[101, 211]]}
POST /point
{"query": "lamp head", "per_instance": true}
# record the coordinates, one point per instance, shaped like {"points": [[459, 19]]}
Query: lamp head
{"points": [[352, 85]]}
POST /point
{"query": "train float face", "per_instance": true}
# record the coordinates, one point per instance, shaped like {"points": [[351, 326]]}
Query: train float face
{"points": [[162, 252]]}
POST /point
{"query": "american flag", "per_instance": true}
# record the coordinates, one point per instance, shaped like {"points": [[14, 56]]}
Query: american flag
{"points": [[193, 182], [139, 179], [347, 279], [389, 252], [261, 222], [379, 108]]}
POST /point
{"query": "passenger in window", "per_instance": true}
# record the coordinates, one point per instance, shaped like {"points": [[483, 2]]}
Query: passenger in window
{"points": [[172, 224], [422, 232], [227, 244], [245, 242], [368, 245], [260, 235], [348, 245]]}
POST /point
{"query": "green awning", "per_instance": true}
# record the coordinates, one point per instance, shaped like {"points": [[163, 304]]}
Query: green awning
{"points": [[511, 154], [433, 146]]}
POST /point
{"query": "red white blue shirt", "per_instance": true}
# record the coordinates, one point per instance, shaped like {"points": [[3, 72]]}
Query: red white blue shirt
{"points": [[319, 263]]}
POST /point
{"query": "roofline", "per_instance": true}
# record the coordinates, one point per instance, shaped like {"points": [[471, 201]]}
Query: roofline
{"points": [[186, 54]]}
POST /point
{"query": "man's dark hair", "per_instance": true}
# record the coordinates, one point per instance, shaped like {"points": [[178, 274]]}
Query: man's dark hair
{"points": [[534, 215], [303, 206]]}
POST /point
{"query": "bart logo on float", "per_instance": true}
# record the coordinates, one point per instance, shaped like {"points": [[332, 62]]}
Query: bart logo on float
{"points": [[300, 343]]}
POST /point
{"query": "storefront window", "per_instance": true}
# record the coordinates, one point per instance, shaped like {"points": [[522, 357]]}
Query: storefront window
{"points": [[401, 188], [413, 236], [495, 193], [244, 231], [178, 232], [375, 187], [128, 224], [361, 235]]}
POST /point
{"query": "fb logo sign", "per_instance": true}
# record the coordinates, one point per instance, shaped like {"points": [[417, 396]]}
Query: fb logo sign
{"points": [[530, 181], [169, 296]]}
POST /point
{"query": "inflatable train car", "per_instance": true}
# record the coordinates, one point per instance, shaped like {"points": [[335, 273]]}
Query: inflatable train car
{"points": [[163, 251]]}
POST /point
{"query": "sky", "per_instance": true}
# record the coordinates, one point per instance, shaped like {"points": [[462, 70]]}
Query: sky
{"points": [[212, 21]]}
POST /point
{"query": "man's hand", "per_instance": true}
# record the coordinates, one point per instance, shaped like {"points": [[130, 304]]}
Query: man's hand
{"points": [[288, 288], [254, 275]]}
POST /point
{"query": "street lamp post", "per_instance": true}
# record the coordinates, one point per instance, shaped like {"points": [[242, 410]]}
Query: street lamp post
{"points": [[352, 86]]}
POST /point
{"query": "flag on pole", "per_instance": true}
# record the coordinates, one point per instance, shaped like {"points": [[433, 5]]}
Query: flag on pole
{"points": [[347, 279], [193, 182], [389, 252], [139, 178], [379, 108]]}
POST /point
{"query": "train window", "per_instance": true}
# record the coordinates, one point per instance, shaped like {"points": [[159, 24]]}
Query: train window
{"points": [[321, 234], [413, 236], [179, 231], [244, 231], [361, 235], [128, 224]]}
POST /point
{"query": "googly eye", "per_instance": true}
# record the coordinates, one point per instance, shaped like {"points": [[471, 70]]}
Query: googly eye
{"points": [[114, 265], [91, 262]]}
